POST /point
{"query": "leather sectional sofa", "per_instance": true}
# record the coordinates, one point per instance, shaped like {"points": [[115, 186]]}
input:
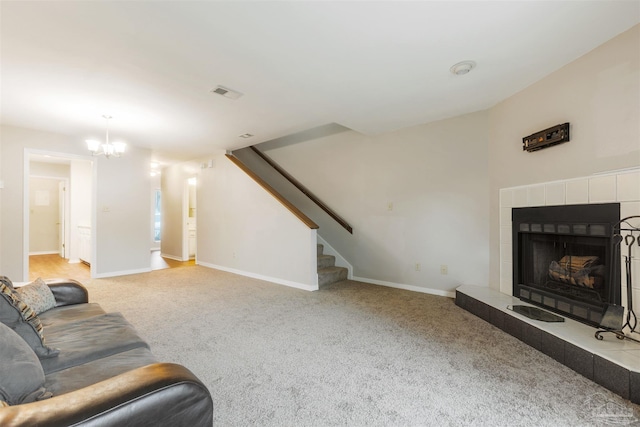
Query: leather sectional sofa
{"points": [[96, 369]]}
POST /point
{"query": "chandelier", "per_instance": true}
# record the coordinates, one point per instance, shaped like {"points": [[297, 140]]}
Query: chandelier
{"points": [[109, 149]]}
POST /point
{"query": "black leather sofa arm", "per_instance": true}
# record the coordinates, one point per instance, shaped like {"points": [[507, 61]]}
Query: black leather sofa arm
{"points": [[68, 291], [161, 394]]}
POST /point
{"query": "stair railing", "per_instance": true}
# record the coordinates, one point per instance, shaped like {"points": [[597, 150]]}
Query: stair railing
{"points": [[303, 189]]}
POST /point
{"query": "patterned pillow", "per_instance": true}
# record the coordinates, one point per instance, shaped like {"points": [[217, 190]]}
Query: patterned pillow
{"points": [[37, 295], [6, 281], [21, 318]]}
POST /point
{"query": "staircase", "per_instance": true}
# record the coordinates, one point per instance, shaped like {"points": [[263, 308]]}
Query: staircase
{"points": [[328, 273]]}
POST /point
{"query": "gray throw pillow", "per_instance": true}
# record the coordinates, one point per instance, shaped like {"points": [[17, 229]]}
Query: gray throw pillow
{"points": [[21, 374], [37, 295], [21, 318]]}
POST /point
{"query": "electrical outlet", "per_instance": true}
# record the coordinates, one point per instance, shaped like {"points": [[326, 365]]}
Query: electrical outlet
{"points": [[417, 266], [444, 269]]}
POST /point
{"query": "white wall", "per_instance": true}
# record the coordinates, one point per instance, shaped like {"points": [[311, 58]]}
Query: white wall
{"points": [[435, 176], [599, 94], [243, 229], [122, 185]]}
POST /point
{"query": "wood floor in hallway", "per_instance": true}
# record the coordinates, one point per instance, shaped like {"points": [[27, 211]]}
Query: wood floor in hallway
{"points": [[54, 266]]}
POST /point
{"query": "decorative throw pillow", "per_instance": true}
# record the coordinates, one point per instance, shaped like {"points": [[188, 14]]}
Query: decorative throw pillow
{"points": [[37, 295], [21, 375], [21, 318], [6, 281]]}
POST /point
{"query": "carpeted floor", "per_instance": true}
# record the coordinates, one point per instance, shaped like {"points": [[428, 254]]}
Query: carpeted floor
{"points": [[352, 354]]}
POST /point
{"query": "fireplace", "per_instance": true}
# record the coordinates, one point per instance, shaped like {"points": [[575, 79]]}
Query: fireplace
{"points": [[563, 259]]}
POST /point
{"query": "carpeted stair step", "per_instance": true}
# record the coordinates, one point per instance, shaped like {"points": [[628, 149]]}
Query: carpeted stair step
{"points": [[326, 261], [329, 275]]}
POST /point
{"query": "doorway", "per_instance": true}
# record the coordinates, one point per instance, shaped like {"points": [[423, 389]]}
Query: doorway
{"points": [[58, 191], [189, 246]]}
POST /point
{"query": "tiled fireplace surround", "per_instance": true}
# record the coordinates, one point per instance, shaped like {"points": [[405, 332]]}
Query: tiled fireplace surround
{"points": [[612, 363]]}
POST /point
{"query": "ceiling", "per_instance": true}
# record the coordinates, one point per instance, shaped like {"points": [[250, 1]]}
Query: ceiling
{"points": [[372, 67]]}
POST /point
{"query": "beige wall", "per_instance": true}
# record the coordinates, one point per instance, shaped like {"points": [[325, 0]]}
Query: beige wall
{"points": [[44, 216], [599, 94], [434, 175], [122, 215], [243, 229], [43, 219], [49, 170]]}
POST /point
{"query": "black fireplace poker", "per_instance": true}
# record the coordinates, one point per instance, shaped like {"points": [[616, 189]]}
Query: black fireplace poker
{"points": [[624, 232]]}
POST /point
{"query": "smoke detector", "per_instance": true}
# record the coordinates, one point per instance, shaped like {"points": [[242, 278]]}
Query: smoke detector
{"points": [[226, 92], [245, 135], [462, 68]]}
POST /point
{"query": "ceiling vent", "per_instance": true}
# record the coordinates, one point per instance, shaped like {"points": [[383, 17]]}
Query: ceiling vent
{"points": [[226, 92]]}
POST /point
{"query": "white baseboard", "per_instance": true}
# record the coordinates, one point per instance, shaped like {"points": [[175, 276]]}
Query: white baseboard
{"points": [[439, 292], [75, 261], [121, 273], [276, 280], [44, 253], [175, 258]]}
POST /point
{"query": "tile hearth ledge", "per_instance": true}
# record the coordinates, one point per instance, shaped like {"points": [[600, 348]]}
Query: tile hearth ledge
{"points": [[625, 353], [612, 363]]}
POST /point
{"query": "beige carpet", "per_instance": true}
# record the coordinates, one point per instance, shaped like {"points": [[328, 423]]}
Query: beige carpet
{"points": [[352, 354]]}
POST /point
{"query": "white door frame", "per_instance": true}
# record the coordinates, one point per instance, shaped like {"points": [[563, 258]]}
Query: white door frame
{"points": [[63, 217], [28, 152], [185, 221]]}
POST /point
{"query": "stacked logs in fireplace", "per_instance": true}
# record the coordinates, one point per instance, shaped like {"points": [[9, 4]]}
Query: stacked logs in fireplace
{"points": [[583, 271]]}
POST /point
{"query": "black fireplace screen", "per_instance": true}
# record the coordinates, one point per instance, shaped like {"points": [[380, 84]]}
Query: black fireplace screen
{"points": [[563, 259]]}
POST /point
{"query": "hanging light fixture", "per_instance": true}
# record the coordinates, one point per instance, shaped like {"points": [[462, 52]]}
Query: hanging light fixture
{"points": [[109, 149]]}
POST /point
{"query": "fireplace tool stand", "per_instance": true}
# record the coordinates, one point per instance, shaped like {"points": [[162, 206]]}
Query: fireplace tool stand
{"points": [[627, 234]]}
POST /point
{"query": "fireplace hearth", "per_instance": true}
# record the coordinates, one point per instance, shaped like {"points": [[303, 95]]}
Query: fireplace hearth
{"points": [[563, 259]]}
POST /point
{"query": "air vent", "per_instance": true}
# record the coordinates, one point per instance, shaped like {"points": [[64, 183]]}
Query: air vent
{"points": [[226, 92]]}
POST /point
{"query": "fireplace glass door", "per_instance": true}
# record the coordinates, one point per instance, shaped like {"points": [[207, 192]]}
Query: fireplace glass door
{"points": [[564, 264], [564, 270]]}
